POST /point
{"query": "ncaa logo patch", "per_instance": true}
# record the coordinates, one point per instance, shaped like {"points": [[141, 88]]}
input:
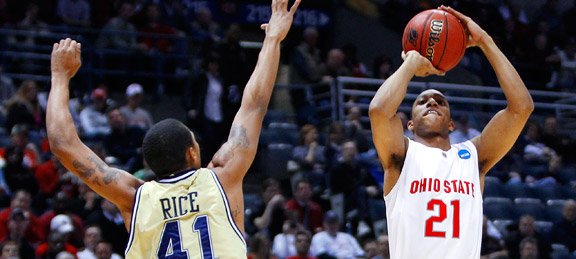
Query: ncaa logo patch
{"points": [[464, 154]]}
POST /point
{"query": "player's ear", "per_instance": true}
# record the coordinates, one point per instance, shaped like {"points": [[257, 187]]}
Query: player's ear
{"points": [[451, 126], [192, 156], [410, 125]]}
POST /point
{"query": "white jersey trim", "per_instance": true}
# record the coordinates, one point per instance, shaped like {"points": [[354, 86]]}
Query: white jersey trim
{"points": [[133, 220], [177, 178], [228, 213]]}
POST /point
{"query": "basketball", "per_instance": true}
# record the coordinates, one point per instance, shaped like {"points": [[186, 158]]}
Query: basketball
{"points": [[437, 35]]}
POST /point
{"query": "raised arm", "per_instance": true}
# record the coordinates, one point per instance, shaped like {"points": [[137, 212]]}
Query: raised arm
{"points": [[236, 155], [387, 129], [113, 184], [504, 128]]}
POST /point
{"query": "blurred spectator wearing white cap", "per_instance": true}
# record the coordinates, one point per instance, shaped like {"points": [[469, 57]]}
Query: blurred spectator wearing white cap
{"points": [[134, 114], [332, 242], [93, 120]]}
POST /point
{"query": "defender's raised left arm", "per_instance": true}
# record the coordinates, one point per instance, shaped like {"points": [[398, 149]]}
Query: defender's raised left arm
{"points": [[504, 128]]}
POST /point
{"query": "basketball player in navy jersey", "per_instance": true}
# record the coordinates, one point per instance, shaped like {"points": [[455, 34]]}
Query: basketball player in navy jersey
{"points": [[432, 189], [189, 212]]}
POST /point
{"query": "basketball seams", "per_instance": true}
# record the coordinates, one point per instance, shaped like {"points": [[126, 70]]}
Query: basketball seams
{"points": [[423, 30], [447, 32]]}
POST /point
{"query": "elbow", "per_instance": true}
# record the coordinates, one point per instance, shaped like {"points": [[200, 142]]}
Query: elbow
{"points": [[525, 108], [59, 141]]}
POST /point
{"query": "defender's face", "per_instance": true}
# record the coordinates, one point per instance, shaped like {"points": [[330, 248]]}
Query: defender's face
{"points": [[431, 114]]}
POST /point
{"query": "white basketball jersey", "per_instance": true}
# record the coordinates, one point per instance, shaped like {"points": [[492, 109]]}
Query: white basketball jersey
{"points": [[435, 208]]}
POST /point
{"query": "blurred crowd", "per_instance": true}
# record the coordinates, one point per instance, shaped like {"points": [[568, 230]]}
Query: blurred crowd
{"points": [[329, 203]]}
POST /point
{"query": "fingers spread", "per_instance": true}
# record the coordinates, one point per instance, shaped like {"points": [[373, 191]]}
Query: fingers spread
{"points": [[295, 6], [55, 47]]}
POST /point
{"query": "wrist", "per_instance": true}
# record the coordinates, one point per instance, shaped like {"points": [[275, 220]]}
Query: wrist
{"points": [[272, 39], [485, 42], [59, 77]]}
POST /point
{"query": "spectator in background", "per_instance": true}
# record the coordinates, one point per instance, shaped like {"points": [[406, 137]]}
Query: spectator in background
{"points": [[18, 176], [19, 137], [352, 178], [206, 102], [92, 241], [56, 243], [31, 23], [48, 176], [334, 66], [382, 67], [124, 142], [336, 136], [310, 155], [94, 123], [21, 201], [565, 77], [370, 248], [538, 154], [491, 247], [526, 229], [119, 32], [355, 129], [153, 24], [24, 108], [283, 244], [17, 225], [383, 247], [564, 231], [356, 68], [204, 29], [260, 248], [233, 64], [61, 206], [7, 90], [463, 131], [103, 250], [10, 250], [108, 218], [305, 69], [75, 13], [561, 143], [529, 249], [332, 242], [134, 114], [307, 212], [303, 241], [272, 214]]}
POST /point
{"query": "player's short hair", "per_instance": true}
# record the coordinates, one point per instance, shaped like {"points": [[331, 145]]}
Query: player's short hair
{"points": [[165, 145]]}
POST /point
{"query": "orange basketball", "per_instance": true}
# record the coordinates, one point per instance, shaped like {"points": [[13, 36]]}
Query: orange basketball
{"points": [[437, 35]]}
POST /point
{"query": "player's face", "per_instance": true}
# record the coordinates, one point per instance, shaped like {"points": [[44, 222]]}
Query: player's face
{"points": [[431, 114]]}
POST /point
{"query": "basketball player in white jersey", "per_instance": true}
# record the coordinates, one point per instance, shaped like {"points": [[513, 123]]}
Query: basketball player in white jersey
{"points": [[433, 190], [189, 212]]}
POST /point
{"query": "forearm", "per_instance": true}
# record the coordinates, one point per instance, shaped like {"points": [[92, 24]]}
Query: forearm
{"points": [[517, 95], [392, 92], [263, 221], [59, 123], [260, 85]]}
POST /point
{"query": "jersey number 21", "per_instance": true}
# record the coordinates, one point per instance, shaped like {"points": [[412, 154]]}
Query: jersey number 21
{"points": [[171, 242], [432, 204]]}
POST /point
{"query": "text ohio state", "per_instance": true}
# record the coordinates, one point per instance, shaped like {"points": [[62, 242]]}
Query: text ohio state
{"points": [[446, 186]]}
